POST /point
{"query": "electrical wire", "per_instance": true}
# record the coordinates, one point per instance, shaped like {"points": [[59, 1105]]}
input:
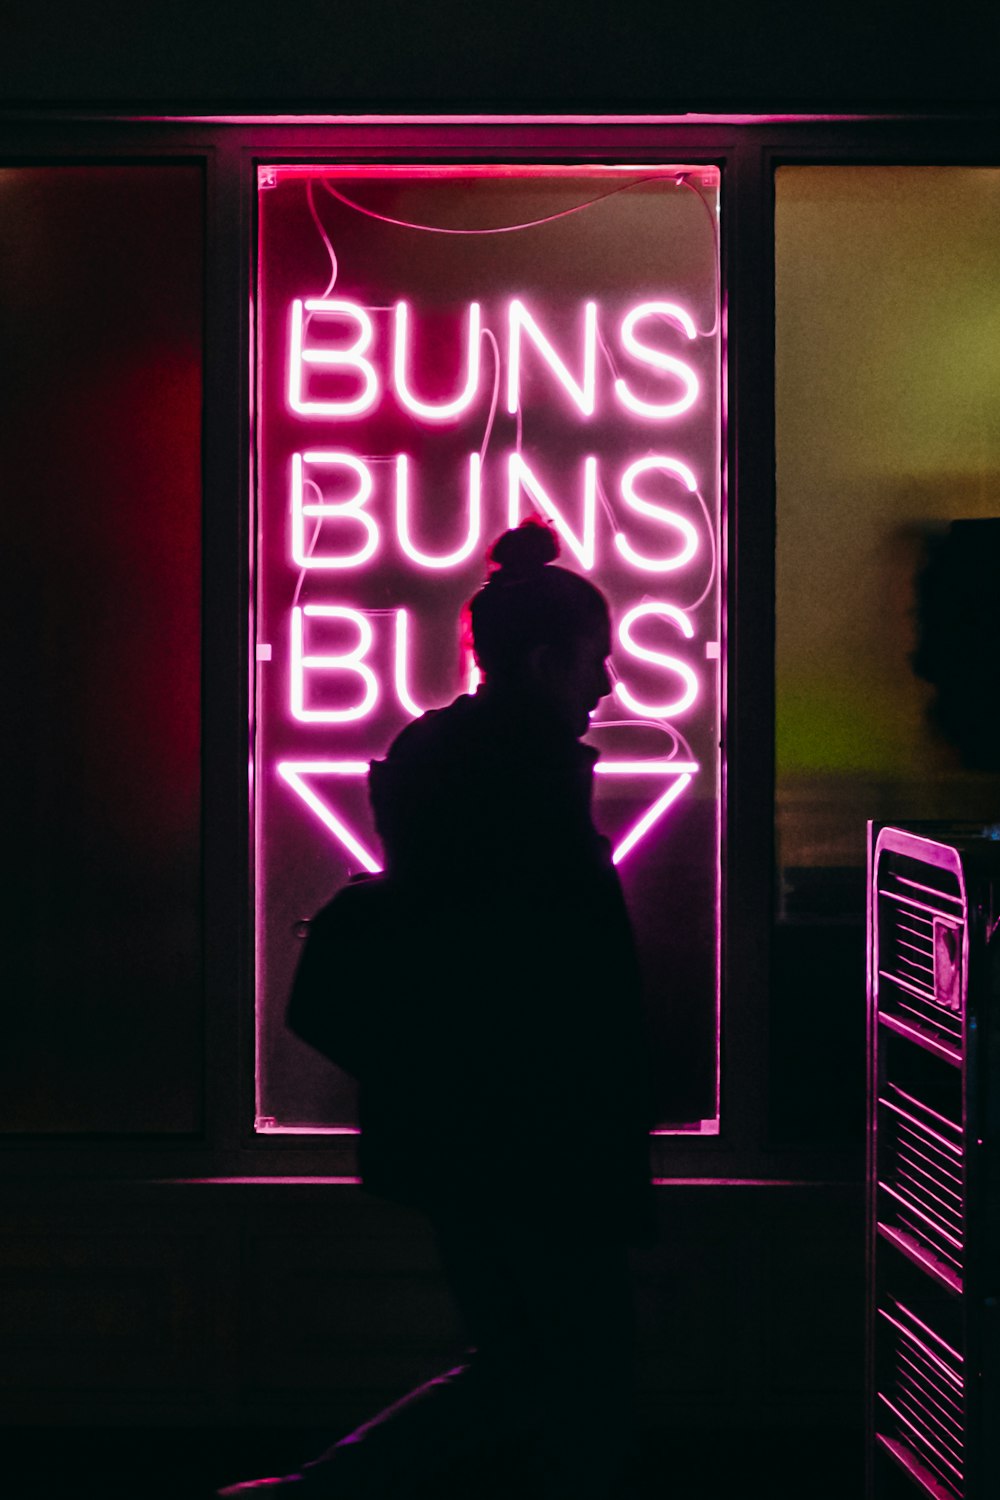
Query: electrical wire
{"points": [[563, 213], [334, 264]]}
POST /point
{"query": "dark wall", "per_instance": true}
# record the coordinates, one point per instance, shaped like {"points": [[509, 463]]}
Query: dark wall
{"points": [[385, 55]]}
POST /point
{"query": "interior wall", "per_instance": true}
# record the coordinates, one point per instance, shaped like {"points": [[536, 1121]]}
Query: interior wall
{"points": [[888, 429]]}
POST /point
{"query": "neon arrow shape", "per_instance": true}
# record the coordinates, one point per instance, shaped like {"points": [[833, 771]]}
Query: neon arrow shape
{"points": [[683, 773], [294, 772]]}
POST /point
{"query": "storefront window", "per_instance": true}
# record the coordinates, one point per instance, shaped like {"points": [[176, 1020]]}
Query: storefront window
{"points": [[441, 351]]}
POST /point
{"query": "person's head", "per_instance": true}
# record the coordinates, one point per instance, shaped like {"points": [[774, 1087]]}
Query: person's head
{"points": [[540, 629]]}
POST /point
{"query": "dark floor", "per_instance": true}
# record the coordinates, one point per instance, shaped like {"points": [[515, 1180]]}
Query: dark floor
{"points": [[170, 1464]]}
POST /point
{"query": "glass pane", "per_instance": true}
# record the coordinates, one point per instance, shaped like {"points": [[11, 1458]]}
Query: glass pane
{"points": [[396, 439], [100, 392], [888, 555], [888, 366]]}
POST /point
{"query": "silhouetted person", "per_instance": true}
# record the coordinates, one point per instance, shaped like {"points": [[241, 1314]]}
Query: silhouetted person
{"points": [[513, 1104]]}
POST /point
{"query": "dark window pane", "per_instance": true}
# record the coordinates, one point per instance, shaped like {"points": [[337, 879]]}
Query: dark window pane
{"points": [[100, 393]]}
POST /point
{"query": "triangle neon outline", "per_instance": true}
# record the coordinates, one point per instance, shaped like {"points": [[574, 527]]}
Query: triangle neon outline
{"points": [[292, 771], [684, 773]]}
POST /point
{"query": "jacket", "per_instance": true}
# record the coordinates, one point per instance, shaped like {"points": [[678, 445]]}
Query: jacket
{"points": [[516, 1080]]}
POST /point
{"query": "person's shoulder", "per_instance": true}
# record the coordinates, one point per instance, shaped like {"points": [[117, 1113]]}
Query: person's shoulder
{"points": [[431, 746], [434, 730]]}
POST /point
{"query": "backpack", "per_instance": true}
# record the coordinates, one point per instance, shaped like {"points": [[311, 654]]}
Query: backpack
{"points": [[343, 984]]}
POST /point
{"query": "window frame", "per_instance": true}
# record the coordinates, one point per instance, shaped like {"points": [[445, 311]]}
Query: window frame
{"points": [[748, 152]]}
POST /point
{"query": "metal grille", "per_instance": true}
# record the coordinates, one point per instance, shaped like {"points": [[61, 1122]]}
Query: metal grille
{"points": [[921, 1191], [921, 920], [933, 1179], [922, 1401]]}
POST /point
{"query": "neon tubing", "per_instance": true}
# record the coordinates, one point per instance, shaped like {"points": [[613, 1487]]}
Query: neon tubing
{"points": [[428, 410], [643, 653], [349, 509], [292, 772], [424, 559], [581, 393], [351, 358], [582, 546], [347, 661], [645, 767], [399, 667], [658, 360], [328, 767], [660, 513], [639, 830]]}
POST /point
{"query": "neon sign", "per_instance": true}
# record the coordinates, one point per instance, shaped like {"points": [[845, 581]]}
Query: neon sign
{"points": [[331, 357], [422, 385], [348, 347]]}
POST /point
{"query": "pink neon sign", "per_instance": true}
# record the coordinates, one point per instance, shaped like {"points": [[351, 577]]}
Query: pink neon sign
{"points": [[436, 361], [343, 351]]}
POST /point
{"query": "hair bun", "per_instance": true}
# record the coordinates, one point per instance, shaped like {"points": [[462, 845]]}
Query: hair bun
{"points": [[524, 551]]}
